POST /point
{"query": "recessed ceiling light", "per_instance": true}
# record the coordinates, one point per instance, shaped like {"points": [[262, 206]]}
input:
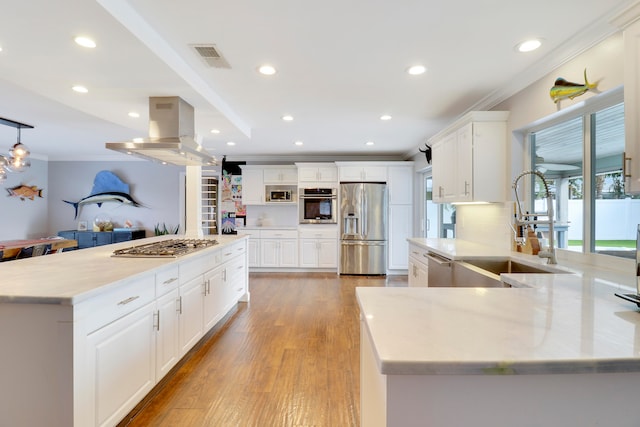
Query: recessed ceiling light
{"points": [[287, 118], [529, 45], [216, 131], [299, 143], [416, 70], [385, 117], [134, 114], [138, 139], [85, 42], [368, 143], [231, 143], [267, 70], [80, 89]]}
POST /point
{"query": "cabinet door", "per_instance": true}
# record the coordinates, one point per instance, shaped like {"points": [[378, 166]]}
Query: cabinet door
{"points": [[350, 173], [121, 365], [400, 220], [308, 174], [254, 252], [288, 253], [464, 157], [400, 185], [214, 293], [327, 253], [252, 187], [328, 174], [280, 175], [308, 253], [191, 313], [438, 170], [375, 173], [269, 253], [631, 161], [168, 332]]}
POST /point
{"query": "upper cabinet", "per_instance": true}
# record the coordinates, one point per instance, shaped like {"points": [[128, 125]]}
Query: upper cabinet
{"points": [[280, 175], [252, 185], [470, 159], [629, 21], [362, 172], [317, 172]]}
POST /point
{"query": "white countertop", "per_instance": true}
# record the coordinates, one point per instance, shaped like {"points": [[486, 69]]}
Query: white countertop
{"points": [[71, 277], [546, 323]]}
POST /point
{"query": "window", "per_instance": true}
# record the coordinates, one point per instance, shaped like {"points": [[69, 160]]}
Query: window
{"points": [[581, 160]]}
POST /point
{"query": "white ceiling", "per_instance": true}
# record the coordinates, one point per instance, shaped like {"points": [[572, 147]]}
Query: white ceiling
{"points": [[341, 65]]}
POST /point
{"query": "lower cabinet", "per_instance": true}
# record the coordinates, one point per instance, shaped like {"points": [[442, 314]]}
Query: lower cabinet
{"points": [[418, 267], [137, 335], [122, 365], [318, 247], [279, 248]]}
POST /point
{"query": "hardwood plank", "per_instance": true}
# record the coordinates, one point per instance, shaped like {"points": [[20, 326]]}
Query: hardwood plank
{"points": [[290, 357]]}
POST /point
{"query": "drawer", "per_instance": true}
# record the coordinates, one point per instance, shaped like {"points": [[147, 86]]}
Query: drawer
{"points": [[118, 302], [418, 254], [279, 234], [167, 280], [232, 251], [253, 234], [321, 233], [194, 267]]}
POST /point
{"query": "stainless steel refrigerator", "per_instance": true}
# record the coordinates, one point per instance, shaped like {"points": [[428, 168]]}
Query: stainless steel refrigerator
{"points": [[363, 228]]}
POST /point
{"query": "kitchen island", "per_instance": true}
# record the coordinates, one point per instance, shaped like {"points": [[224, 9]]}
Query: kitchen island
{"points": [[554, 349], [85, 336]]}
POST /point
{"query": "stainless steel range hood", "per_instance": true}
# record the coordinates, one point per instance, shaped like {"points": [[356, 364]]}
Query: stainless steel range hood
{"points": [[171, 135]]}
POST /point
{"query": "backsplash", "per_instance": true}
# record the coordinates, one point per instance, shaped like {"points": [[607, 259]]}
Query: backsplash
{"points": [[486, 224]]}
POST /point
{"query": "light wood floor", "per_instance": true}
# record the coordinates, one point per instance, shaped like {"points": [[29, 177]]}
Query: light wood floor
{"points": [[288, 358]]}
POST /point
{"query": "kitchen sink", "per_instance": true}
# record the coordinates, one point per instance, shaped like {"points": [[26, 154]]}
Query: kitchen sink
{"points": [[485, 272], [506, 265]]}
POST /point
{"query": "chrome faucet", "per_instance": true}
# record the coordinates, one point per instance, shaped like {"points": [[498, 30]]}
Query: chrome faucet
{"points": [[525, 219]]}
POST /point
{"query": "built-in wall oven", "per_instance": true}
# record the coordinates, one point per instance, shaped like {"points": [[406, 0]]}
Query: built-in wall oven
{"points": [[318, 205]]}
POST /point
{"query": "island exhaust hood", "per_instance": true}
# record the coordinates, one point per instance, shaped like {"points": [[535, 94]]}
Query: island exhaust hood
{"points": [[171, 135]]}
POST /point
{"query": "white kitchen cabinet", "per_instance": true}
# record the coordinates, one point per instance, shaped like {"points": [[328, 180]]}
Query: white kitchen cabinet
{"points": [[279, 248], [316, 173], [362, 172], [191, 313], [469, 159], [418, 267], [213, 300], [120, 360], [280, 175], [400, 222], [629, 21], [252, 186], [168, 332], [253, 246], [400, 182], [318, 247]]}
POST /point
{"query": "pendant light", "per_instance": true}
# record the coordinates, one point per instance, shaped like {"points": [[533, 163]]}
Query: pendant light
{"points": [[17, 161]]}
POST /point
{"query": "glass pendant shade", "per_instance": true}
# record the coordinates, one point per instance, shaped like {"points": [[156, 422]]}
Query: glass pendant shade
{"points": [[17, 164], [3, 174], [19, 150]]}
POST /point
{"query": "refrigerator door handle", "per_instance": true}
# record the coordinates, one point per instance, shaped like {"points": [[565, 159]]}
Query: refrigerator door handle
{"points": [[365, 215]]}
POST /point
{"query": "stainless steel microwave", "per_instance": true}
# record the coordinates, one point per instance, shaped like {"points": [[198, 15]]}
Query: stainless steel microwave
{"points": [[280, 196]]}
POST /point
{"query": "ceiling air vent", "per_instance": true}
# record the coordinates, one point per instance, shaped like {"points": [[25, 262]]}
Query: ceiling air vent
{"points": [[210, 54]]}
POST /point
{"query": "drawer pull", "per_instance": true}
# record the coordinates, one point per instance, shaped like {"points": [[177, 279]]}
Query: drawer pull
{"points": [[228, 253], [240, 289], [240, 267], [128, 300], [173, 279]]}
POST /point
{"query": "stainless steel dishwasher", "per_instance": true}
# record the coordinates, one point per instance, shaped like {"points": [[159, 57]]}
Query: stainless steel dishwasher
{"points": [[440, 271]]}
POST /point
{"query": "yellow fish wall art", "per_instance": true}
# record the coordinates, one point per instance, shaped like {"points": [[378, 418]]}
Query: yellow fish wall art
{"points": [[563, 89]]}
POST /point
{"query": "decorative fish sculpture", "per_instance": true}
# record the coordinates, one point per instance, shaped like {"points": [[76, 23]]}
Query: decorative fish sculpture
{"points": [[563, 89], [25, 192], [101, 198]]}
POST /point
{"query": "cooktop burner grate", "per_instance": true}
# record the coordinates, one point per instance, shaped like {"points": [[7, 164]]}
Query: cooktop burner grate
{"points": [[165, 249]]}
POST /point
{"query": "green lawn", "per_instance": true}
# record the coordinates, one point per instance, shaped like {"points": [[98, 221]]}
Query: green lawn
{"points": [[631, 244]]}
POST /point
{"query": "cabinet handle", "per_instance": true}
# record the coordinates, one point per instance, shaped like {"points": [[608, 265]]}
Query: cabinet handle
{"points": [[466, 188], [224, 274], [180, 305], [228, 253], [440, 191], [156, 320], [128, 300], [625, 159], [239, 289], [173, 279], [240, 267]]}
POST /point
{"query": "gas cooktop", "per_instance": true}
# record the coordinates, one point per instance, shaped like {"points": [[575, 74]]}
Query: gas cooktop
{"points": [[165, 249]]}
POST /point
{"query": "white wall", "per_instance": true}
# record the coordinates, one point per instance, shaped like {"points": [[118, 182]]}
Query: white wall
{"points": [[25, 219], [604, 62], [154, 186]]}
